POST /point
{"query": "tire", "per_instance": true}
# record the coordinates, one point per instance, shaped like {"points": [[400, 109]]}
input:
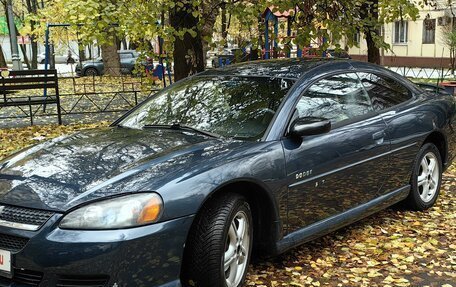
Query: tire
{"points": [[213, 238], [91, 72], [426, 178]]}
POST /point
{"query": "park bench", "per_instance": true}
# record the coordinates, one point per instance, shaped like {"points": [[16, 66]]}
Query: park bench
{"points": [[39, 82]]}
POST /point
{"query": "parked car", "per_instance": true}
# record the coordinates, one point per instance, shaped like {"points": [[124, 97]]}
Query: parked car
{"points": [[332, 53], [229, 56], [59, 58], [255, 158], [96, 67]]}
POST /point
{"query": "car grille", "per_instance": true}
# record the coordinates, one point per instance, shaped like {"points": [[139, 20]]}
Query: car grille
{"points": [[23, 278], [31, 278], [12, 243], [82, 281], [23, 218]]}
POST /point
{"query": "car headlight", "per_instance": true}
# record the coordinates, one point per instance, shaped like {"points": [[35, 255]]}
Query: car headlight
{"points": [[121, 212]]}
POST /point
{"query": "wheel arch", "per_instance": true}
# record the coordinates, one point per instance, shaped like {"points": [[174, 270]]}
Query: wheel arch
{"points": [[264, 207], [439, 140], [84, 70]]}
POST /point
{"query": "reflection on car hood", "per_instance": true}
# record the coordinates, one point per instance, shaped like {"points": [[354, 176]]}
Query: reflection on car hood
{"points": [[70, 170]]}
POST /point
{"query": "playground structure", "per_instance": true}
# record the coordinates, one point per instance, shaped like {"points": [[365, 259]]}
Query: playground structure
{"points": [[277, 44], [273, 18], [270, 16]]}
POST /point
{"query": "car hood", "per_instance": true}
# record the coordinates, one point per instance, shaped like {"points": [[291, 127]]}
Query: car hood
{"points": [[70, 170], [91, 62]]}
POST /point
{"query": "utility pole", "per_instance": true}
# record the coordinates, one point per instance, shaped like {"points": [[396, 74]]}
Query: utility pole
{"points": [[17, 64]]}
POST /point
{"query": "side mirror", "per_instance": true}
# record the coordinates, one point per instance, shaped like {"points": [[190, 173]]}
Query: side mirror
{"points": [[309, 126]]}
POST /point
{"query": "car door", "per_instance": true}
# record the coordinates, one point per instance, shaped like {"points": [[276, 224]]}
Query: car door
{"points": [[125, 62], [334, 172], [393, 100]]}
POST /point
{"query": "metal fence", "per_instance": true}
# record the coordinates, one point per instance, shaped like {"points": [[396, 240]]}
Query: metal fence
{"points": [[81, 100], [423, 73], [75, 108]]}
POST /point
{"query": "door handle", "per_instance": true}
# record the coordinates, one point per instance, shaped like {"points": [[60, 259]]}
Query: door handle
{"points": [[379, 137]]}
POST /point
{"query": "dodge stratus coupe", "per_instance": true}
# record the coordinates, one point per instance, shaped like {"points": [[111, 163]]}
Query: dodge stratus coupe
{"points": [[249, 160]]}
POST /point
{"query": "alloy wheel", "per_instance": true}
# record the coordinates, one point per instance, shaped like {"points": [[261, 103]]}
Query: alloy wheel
{"points": [[428, 177], [237, 249]]}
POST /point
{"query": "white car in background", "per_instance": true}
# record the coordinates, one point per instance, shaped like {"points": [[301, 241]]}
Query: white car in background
{"points": [[59, 59]]}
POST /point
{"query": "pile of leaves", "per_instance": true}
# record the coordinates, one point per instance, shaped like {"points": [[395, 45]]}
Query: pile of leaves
{"points": [[395, 247]]}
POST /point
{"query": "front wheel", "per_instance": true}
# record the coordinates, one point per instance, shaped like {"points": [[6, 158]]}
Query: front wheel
{"points": [[426, 178], [219, 246], [91, 72]]}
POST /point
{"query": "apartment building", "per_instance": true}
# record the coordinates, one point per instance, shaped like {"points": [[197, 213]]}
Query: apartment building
{"points": [[419, 43]]}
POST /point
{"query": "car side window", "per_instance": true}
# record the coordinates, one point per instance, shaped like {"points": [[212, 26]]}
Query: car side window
{"points": [[336, 98], [384, 92], [125, 56]]}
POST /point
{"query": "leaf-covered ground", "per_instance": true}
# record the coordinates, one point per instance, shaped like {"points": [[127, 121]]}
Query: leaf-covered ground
{"points": [[395, 247], [392, 248]]}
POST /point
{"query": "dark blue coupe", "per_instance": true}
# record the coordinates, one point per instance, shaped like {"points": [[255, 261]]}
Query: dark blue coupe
{"points": [[253, 159]]}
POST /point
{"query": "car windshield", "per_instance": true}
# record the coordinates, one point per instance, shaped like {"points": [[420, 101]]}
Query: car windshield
{"points": [[229, 106]]}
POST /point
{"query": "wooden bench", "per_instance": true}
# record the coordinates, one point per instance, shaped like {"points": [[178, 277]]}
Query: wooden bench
{"points": [[17, 81]]}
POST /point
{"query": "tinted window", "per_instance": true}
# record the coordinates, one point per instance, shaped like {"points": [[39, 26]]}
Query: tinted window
{"points": [[384, 92], [336, 98], [126, 56], [240, 107]]}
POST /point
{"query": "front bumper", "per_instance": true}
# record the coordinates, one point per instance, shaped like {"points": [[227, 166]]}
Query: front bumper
{"points": [[146, 256]]}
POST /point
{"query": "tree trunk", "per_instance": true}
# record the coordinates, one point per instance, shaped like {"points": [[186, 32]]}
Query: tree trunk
{"points": [[224, 26], [32, 7], [210, 12], [51, 57], [452, 59], [24, 54], [111, 58], [23, 50], [81, 52], [133, 45], [118, 43], [90, 50], [188, 50], [2, 58], [373, 52], [34, 45], [369, 10]]}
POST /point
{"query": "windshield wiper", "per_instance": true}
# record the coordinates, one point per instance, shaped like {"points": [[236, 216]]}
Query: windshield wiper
{"points": [[178, 126]]}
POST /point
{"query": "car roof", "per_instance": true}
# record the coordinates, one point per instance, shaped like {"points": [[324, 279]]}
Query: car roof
{"points": [[279, 68]]}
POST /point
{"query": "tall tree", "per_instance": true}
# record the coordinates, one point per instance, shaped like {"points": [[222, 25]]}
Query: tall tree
{"points": [[95, 21], [369, 14], [188, 47], [32, 8]]}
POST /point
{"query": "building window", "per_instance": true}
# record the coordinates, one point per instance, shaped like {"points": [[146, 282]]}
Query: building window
{"points": [[429, 31], [400, 32], [357, 37]]}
